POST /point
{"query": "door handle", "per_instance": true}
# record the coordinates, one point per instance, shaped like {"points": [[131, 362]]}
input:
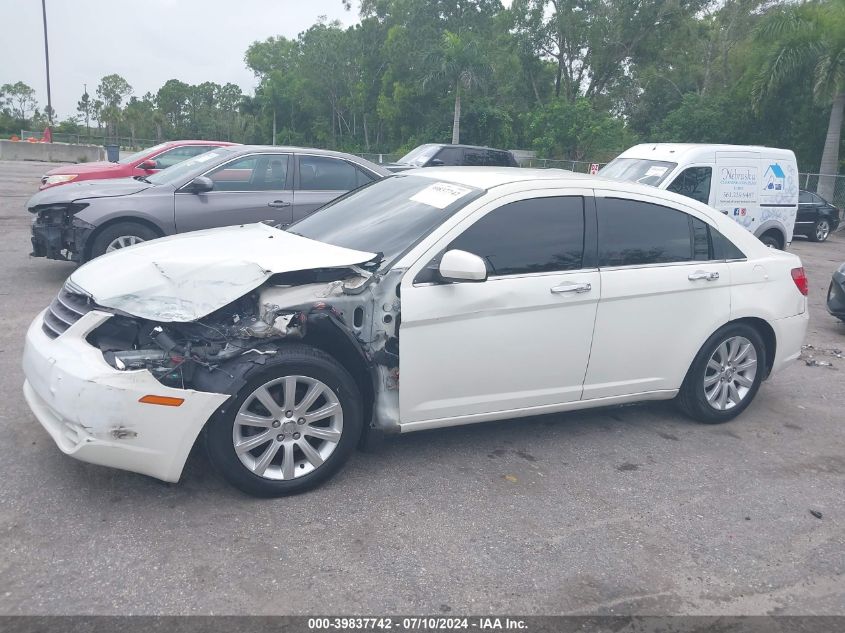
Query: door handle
{"points": [[703, 274], [571, 287], [278, 204]]}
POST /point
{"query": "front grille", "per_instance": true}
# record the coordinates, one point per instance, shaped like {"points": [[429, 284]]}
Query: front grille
{"points": [[66, 309]]}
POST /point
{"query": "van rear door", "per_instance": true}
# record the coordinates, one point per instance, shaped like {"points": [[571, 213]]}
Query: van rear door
{"points": [[737, 186]]}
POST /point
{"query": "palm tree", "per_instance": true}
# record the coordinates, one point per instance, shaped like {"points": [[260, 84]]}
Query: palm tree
{"points": [[460, 62], [809, 37]]}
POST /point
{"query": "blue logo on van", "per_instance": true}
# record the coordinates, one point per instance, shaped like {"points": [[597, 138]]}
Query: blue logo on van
{"points": [[773, 179]]}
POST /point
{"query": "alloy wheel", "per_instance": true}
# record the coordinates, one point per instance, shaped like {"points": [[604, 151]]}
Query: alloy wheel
{"points": [[287, 427], [730, 373], [123, 241], [822, 230]]}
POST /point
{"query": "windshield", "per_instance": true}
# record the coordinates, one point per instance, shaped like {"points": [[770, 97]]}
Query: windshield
{"points": [[188, 168], [641, 170], [139, 155], [388, 216], [419, 155]]}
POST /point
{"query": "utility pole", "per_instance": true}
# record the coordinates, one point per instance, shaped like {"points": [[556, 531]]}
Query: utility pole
{"points": [[47, 61]]}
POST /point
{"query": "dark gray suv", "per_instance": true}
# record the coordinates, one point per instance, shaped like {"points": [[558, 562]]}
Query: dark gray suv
{"points": [[225, 186]]}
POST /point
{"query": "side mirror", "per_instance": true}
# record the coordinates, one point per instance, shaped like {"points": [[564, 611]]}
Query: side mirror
{"points": [[436, 162], [148, 164], [200, 184], [456, 265]]}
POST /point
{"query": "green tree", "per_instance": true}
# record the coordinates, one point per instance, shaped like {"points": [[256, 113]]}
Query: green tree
{"points": [[113, 89], [20, 99], [460, 62], [84, 106], [809, 38]]}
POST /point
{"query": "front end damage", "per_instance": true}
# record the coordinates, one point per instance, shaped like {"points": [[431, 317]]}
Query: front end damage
{"points": [[95, 375], [142, 347], [349, 313], [58, 234]]}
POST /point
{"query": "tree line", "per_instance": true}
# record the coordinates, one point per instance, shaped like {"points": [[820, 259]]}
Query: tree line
{"points": [[570, 79]]}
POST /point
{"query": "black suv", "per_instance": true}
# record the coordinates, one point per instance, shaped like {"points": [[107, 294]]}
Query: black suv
{"points": [[437, 155], [816, 217]]}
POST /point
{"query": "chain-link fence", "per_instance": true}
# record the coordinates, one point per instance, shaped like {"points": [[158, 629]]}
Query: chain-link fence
{"points": [[834, 184]]}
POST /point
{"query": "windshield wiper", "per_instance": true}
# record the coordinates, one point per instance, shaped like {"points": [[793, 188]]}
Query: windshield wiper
{"points": [[143, 179]]}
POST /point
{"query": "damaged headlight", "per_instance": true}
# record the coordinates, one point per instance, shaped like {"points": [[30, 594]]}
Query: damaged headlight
{"points": [[53, 214]]}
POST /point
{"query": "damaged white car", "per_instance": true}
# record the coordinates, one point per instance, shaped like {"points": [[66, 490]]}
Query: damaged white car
{"points": [[428, 299]]}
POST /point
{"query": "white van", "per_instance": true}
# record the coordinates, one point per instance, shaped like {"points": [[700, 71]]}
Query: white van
{"points": [[756, 186]]}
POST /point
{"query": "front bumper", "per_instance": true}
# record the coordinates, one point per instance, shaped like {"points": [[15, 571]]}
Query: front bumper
{"points": [[836, 295], [60, 241], [92, 411]]}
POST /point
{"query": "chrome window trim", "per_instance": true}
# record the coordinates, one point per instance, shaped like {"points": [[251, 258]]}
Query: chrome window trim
{"points": [[345, 160]]}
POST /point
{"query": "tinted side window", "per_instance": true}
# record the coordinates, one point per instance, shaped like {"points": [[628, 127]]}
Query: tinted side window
{"points": [[694, 183], [363, 177], [265, 172], [498, 158], [723, 248], [178, 154], [633, 232], [475, 157], [451, 156], [529, 236], [320, 173], [805, 197]]}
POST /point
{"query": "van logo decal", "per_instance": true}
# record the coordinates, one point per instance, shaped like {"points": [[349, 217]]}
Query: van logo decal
{"points": [[773, 179]]}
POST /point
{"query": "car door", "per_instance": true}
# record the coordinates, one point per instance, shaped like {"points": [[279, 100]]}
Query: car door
{"points": [[808, 208], [321, 179], [247, 189], [664, 292], [520, 339]]}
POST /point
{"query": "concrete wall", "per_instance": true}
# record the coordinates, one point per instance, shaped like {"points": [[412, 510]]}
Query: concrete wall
{"points": [[51, 152]]}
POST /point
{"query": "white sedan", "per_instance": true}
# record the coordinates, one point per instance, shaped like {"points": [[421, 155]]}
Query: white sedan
{"points": [[433, 298]]}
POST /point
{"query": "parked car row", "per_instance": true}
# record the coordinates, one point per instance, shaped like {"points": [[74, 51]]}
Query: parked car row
{"points": [[279, 335], [238, 184]]}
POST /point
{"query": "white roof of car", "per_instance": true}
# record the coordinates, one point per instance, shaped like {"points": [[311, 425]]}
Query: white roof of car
{"points": [[487, 177]]}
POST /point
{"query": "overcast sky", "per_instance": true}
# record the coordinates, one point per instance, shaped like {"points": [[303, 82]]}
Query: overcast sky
{"points": [[147, 42]]}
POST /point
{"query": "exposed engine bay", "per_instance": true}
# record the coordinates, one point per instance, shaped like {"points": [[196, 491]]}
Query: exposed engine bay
{"points": [[337, 310]]}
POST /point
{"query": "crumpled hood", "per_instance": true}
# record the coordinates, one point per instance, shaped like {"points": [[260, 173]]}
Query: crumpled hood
{"points": [[185, 277], [85, 189]]}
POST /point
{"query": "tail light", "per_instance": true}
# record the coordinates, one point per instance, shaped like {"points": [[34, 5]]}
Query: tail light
{"points": [[800, 279]]}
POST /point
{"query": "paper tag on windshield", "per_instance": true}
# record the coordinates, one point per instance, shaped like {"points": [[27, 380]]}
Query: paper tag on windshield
{"points": [[204, 157], [440, 195], [656, 170]]}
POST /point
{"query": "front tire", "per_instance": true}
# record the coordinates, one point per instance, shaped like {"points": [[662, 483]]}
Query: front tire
{"points": [[290, 427], [725, 375], [821, 230], [771, 240], [120, 235]]}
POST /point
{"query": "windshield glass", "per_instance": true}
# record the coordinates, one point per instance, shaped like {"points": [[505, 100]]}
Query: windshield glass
{"points": [[419, 155], [641, 170], [139, 155], [188, 168], [387, 216]]}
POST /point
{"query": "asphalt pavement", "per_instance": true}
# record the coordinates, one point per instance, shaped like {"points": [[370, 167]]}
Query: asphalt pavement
{"points": [[627, 510]]}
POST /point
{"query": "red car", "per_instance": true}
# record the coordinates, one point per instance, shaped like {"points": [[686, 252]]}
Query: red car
{"points": [[143, 163]]}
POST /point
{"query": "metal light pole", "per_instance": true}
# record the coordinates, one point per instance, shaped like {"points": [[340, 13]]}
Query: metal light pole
{"points": [[47, 61]]}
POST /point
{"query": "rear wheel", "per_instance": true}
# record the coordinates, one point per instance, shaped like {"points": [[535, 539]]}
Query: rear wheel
{"points": [[772, 240], [725, 375], [120, 235], [821, 230], [290, 427]]}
